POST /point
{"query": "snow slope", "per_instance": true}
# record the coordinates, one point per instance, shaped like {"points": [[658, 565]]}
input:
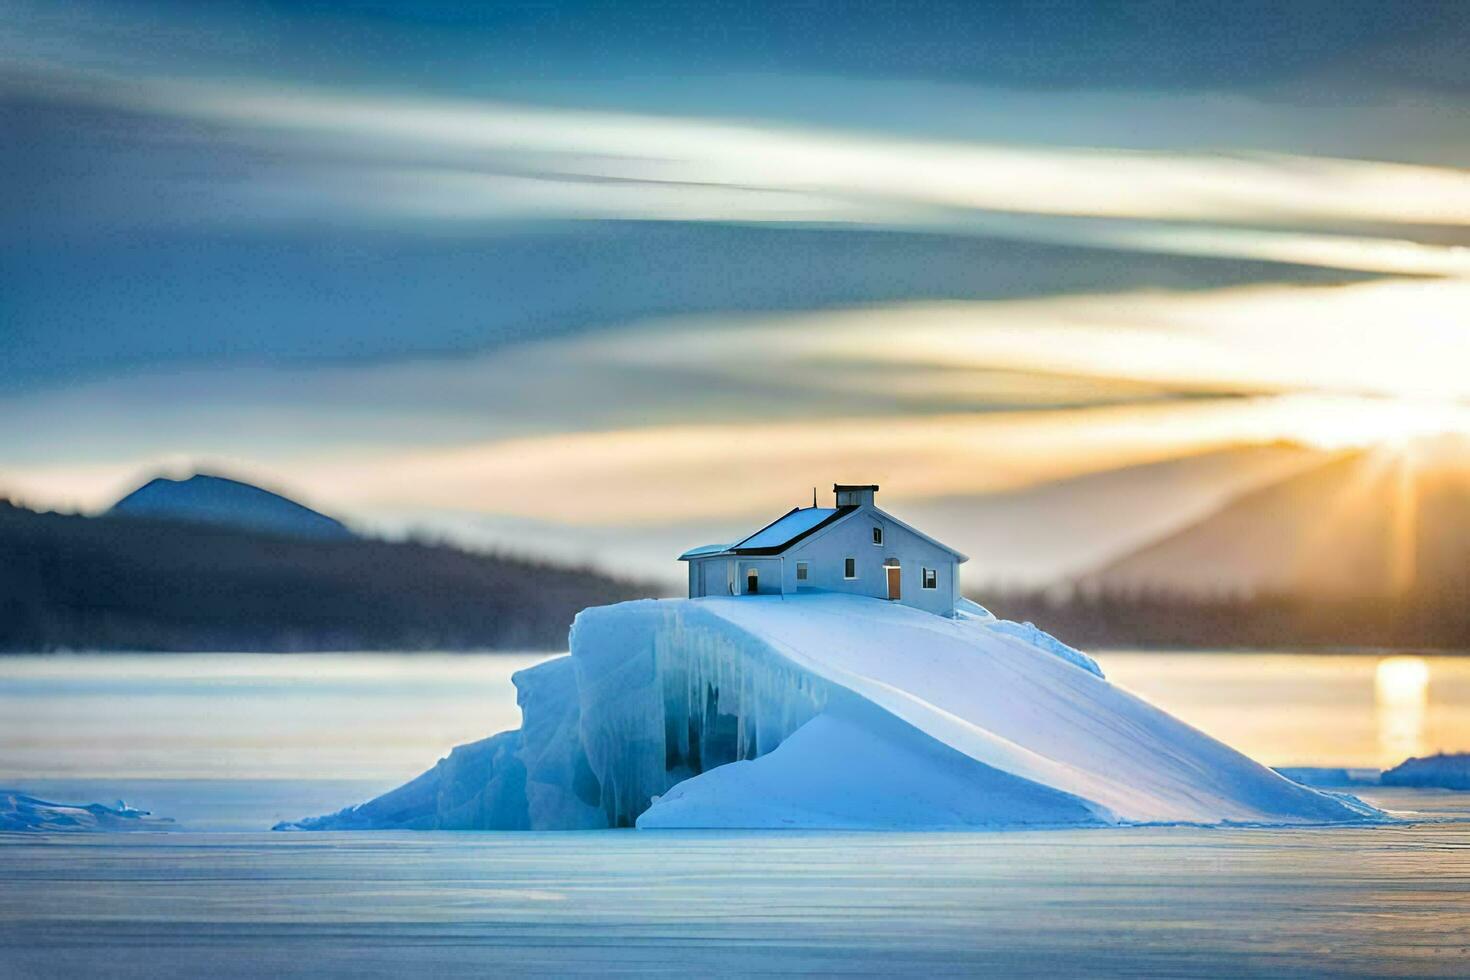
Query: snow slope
{"points": [[836, 711], [854, 766]]}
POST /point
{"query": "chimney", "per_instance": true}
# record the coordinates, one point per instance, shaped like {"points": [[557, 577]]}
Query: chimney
{"points": [[854, 496]]}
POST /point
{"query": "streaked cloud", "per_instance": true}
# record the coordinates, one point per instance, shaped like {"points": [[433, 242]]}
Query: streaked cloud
{"points": [[1405, 339], [956, 398], [466, 162], [673, 473], [667, 474], [1260, 188]]}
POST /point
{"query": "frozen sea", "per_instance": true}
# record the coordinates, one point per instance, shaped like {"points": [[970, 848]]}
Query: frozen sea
{"points": [[227, 744]]}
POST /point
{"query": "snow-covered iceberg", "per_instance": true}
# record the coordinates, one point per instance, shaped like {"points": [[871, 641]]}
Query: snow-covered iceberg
{"points": [[833, 711], [19, 812]]}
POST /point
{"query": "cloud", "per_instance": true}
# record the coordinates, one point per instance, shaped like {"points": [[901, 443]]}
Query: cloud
{"points": [[955, 398], [288, 244], [287, 154], [659, 475], [916, 174], [1403, 339]]}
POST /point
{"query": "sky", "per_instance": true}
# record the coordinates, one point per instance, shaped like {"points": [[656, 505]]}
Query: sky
{"points": [[604, 281]]}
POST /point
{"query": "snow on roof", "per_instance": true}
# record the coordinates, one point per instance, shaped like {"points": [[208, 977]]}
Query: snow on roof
{"points": [[702, 550], [797, 523]]}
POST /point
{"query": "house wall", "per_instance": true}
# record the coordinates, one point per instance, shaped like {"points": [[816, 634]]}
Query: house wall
{"points": [[852, 537], [825, 551], [716, 575], [696, 589]]}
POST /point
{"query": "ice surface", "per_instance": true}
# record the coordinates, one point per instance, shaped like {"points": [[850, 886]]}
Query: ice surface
{"points": [[833, 711], [480, 786], [668, 690], [1137, 902], [561, 791], [1445, 771], [19, 812]]}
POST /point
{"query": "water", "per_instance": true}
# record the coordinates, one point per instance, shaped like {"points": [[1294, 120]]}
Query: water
{"points": [[248, 716], [229, 744], [1288, 709], [379, 719], [1158, 902]]}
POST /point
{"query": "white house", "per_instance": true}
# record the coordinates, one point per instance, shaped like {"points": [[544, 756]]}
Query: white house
{"points": [[853, 547]]}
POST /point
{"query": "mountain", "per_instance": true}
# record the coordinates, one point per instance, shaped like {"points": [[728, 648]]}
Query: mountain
{"points": [[1369, 523], [219, 500], [69, 582], [1037, 535]]}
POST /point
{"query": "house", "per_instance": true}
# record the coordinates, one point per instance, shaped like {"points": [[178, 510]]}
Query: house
{"points": [[852, 547]]}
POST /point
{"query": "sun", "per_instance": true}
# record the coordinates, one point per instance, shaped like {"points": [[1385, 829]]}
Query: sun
{"points": [[1334, 422]]}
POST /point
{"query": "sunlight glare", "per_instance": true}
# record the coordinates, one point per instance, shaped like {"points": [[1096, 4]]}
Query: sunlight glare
{"points": [[1401, 699]]}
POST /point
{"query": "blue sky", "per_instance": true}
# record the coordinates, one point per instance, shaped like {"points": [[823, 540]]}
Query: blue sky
{"points": [[452, 263]]}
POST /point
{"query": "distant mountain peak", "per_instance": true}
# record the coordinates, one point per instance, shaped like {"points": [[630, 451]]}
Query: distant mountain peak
{"points": [[210, 499]]}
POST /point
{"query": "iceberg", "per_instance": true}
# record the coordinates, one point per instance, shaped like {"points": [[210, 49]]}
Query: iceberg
{"points": [[834, 712], [19, 812], [1442, 771], [480, 786]]}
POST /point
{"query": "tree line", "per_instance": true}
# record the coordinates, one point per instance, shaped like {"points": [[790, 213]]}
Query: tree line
{"points": [[1433, 616], [70, 582]]}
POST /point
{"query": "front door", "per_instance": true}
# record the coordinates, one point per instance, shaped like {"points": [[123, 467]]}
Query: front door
{"points": [[752, 581], [895, 590]]}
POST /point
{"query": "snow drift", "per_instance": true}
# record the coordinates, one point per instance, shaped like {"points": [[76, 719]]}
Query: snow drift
{"points": [[832, 711]]}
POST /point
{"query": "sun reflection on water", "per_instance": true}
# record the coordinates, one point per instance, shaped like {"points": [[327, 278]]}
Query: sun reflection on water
{"points": [[1401, 700]]}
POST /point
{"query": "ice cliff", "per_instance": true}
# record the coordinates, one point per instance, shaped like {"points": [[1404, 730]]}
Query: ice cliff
{"points": [[832, 711]]}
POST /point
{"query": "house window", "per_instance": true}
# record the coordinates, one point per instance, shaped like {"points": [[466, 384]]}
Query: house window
{"points": [[931, 579], [877, 535], [849, 568], [801, 568]]}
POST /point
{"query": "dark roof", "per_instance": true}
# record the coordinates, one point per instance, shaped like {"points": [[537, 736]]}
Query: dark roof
{"points": [[839, 487], [799, 522], [795, 525]]}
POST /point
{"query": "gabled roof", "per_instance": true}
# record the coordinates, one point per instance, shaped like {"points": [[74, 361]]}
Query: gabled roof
{"points": [[797, 524]]}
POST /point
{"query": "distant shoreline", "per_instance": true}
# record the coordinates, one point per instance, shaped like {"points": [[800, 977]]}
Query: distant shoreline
{"points": [[1431, 619]]}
